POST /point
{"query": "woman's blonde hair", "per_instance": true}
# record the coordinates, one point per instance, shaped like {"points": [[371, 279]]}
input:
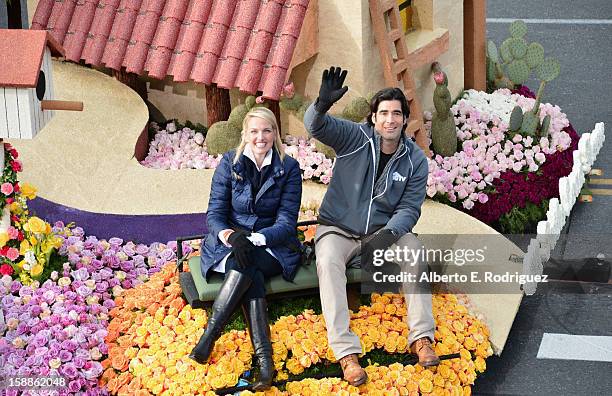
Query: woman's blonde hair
{"points": [[267, 115]]}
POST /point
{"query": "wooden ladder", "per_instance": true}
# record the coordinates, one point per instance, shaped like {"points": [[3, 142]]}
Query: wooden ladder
{"points": [[398, 69]]}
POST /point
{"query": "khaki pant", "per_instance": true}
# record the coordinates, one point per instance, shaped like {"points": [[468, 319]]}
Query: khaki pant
{"points": [[333, 253]]}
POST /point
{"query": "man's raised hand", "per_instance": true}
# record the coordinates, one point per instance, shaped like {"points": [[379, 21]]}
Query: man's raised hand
{"points": [[331, 88]]}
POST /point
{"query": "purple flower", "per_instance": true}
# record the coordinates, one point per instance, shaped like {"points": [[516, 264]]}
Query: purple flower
{"points": [[84, 291], [68, 370], [74, 386], [65, 356]]}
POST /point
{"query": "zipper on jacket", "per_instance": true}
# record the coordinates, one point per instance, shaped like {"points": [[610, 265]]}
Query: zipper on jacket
{"points": [[389, 170], [373, 181]]}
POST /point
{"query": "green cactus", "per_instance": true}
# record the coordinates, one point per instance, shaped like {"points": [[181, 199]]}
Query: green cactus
{"points": [[530, 124], [516, 119], [492, 51], [443, 129], [505, 52], [325, 149], [237, 116], [250, 101], [222, 137], [518, 29], [515, 60], [545, 126], [548, 70], [535, 55], [356, 110], [518, 71], [518, 47]]}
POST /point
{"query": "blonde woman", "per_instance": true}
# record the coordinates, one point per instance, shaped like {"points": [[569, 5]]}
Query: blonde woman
{"points": [[252, 215]]}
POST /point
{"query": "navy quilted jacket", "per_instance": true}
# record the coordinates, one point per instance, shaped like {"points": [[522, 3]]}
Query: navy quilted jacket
{"points": [[273, 212]]}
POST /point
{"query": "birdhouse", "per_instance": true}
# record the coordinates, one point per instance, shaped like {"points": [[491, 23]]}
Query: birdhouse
{"points": [[26, 82]]}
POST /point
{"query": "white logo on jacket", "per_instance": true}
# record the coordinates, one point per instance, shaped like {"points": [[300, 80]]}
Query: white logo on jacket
{"points": [[398, 177]]}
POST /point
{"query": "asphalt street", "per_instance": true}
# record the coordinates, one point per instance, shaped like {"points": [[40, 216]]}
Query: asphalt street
{"points": [[579, 35]]}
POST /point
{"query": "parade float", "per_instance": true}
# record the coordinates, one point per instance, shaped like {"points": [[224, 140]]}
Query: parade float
{"points": [[99, 303]]}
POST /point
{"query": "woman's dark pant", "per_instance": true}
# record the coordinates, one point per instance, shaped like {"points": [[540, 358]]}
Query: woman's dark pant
{"points": [[263, 266]]}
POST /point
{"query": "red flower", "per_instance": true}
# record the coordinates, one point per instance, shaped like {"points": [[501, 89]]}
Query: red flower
{"points": [[16, 165], [14, 219], [4, 250], [6, 269], [10, 200], [20, 236], [16, 187], [14, 153]]}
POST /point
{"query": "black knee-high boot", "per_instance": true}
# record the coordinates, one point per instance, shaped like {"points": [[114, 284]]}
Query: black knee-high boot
{"points": [[256, 314], [230, 294]]}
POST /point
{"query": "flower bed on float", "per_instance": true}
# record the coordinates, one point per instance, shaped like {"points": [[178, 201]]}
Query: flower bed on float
{"points": [[502, 179], [111, 319]]}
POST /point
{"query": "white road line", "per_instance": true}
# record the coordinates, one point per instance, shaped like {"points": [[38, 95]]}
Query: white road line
{"points": [[554, 21], [575, 347]]}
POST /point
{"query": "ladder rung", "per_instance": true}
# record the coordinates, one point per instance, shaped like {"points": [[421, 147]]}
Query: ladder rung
{"points": [[395, 34], [413, 126], [400, 65], [386, 5]]}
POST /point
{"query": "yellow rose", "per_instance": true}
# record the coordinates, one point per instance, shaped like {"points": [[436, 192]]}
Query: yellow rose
{"points": [[28, 191], [35, 225], [4, 238], [37, 269], [15, 208]]}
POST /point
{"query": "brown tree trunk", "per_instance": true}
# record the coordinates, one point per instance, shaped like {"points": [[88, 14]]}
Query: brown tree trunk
{"points": [[133, 81], [217, 104], [275, 107]]}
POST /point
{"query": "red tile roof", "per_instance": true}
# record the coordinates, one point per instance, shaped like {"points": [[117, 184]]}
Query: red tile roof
{"points": [[244, 44], [21, 54]]}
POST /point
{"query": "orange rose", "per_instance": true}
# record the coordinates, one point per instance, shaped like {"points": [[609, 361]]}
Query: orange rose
{"points": [[119, 362], [112, 385]]}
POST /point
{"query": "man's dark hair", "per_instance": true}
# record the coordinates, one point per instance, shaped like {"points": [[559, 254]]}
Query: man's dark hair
{"points": [[388, 94]]}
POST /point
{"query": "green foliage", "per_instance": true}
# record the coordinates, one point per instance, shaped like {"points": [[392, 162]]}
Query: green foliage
{"points": [[545, 126], [531, 122], [523, 220], [443, 129], [356, 110], [250, 101], [237, 116], [518, 29], [516, 59], [222, 137], [516, 119], [325, 149]]}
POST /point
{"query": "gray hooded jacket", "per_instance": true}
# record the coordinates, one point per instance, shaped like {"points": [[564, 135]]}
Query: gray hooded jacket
{"points": [[353, 201]]}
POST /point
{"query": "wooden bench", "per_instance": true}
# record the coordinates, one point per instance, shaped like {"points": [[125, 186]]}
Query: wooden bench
{"points": [[200, 293]]}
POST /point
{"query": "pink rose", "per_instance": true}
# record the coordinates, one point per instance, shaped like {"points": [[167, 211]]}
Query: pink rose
{"points": [[259, 100], [6, 188], [12, 232], [12, 254]]}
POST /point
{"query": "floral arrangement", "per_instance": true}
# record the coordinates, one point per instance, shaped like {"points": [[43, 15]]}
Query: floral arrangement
{"points": [[478, 179], [308, 211], [9, 187], [184, 148], [26, 242], [152, 331], [313, 164], [58, 327]]}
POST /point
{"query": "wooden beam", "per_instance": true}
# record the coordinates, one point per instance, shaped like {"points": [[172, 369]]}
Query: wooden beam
{"points": [[218, 105], [474, 44], [430, 52]]}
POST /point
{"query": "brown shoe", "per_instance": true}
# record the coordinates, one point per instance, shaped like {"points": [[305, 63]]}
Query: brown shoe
{"points": [[353, 373], [422, 348]]}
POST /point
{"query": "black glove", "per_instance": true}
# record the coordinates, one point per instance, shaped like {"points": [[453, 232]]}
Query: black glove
{"points": [[331, 88], [380, 240], [241, 247]]}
